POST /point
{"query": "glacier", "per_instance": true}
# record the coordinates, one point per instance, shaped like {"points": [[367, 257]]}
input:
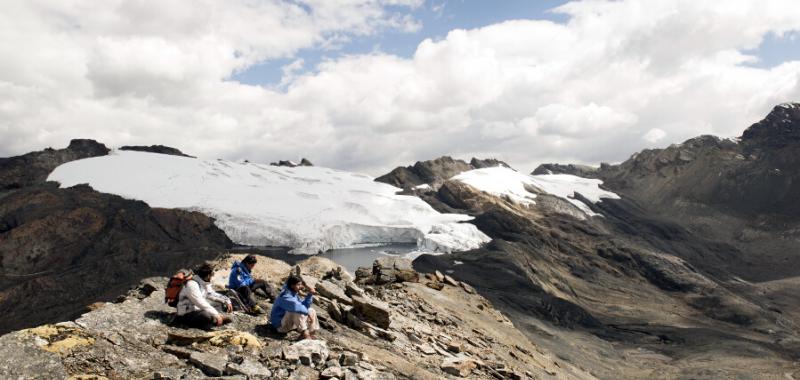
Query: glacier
{"points": [[310, 209]]}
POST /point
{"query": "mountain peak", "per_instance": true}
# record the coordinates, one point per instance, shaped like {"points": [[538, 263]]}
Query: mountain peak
{"points": [[779, 128]]}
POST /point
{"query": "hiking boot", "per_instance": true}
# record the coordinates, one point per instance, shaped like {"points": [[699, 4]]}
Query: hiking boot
{"points": [[256, 310]]}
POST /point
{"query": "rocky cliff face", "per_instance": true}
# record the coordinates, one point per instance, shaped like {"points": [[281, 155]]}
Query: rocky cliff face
{"points": [[396, 330], [63, 249], [33, 168]]}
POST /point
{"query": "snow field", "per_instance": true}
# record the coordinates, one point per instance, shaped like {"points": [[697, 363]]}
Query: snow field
{"points": [[310, 209], [519, 187]]}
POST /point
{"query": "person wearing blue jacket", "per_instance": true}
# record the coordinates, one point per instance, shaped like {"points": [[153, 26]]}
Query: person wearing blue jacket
{"points": [[245, 285], [290, 313]]}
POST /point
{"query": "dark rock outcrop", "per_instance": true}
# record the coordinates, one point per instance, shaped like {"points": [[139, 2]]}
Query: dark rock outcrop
{"points": [[584, 171], [161, 149], [63, 249], [779, 129], [33, 168], [424, 172], [477, 163], [292, 164], [433, 172], [387, 270]]}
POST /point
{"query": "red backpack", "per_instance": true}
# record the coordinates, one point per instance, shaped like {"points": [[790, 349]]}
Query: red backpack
{"points": [[174, 287]]}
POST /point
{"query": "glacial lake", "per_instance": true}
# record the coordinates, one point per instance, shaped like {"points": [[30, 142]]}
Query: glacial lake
{"points": [[364, 256]]}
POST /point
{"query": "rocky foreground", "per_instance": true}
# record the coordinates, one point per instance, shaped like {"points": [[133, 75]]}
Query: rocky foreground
{"points": [[387, 323]]}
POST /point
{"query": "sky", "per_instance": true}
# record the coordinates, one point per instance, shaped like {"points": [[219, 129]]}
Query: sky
{"points": [[368, 85]]}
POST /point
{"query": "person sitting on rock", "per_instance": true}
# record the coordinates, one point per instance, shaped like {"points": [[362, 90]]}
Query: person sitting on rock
{"points": [[194, 309], [245, 285], [290, 313]]}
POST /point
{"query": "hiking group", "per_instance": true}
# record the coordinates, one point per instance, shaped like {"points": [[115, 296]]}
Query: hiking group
{"points": [[199, 306]]}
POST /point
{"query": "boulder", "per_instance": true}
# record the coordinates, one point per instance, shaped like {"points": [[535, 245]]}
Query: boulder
{"points": [[390, 269], [373, 311], [353, 290], [211, 364], [363, 275], [332, 372], [291, 353], [426, 349], [317, 267], [455, 347], [338, 273], [458, 366], [333, 292], [303, 373], [348, 358], [335, 311], [249, 368], [179, 352], [311, 351], [435, 285]]}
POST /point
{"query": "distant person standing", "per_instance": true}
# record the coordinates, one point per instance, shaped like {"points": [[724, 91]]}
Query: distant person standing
{"points": [[194, 309], [241, 280], [290, 313]]}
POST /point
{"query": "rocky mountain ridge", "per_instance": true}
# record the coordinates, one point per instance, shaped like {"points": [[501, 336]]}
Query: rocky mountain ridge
{"points": [[743, 192], [389, 327], [33, 168], [663, 270], [433, 172]]}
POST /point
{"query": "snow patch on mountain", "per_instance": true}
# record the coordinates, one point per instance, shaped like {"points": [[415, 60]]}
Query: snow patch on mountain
{"points": [[311, 209], [501, 182], [522, 188]]}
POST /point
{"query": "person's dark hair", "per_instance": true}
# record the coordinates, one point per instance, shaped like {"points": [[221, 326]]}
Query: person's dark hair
{"points": [[204, 270], [249, 259], [292, 281]]}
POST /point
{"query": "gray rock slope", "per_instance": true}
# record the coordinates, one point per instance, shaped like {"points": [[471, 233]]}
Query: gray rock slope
{"points": [[393, 330], [686, 276]]}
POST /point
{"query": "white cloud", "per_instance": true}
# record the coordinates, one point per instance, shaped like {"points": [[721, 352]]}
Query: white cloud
{"points": [[617, 77], [654, 135]]}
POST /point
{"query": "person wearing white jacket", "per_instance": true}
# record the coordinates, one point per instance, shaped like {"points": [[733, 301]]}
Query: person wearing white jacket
{"points": [[194, 308]]}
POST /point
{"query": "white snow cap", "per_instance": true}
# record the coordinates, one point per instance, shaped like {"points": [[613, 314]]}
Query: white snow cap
{"points": [[500, 181], [310, 209]]}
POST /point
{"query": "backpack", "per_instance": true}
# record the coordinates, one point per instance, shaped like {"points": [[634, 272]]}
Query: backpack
{"points": [[174, 287], [236, 301]]}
